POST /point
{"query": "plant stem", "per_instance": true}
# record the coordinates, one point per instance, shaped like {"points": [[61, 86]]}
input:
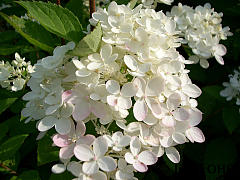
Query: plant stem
{"points": [[58, 2], [92, 7], [8, 169]]}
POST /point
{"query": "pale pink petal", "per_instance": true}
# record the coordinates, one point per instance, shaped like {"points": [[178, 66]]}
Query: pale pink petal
{"points": [[155, 106], [100, 146], [83, 152], [98, 109], [90, 167], [195, 117], [173, 154], [88, 139], [135, 145], [140, 167], [147, 158], [129, 158], [179, 138], [66, 95], [58, 168], [192, 90], [66, 152], [124, 102], [128, 90], [80, 128], [166, 141], [81, 111], [61, 140], [173, 101], [169, 121], [107, 164], [181, 114], [155, 86], [112, 100], [195, 134], [140, 110]]}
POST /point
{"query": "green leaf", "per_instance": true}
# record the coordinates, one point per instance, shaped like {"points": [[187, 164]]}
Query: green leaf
{"points": [[3, 130], [89, 44], [11, 146], [7, 36], [46, 152], [11, 162], [33, 32], [6, 49], [6, 103], [81, 11], [31, 174], [231, 118], [220, 153], [55, 19]]}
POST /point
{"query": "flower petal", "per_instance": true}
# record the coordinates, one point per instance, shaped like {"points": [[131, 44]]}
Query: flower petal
{"points": [[107, 164], [88, 139], [173, 154], [195, 117], [106, 51], [63, 125], [75, 168], [80, 128], [140, 167], [128, 90], [124, 102], [179, 138], [61, 140], [195, 134], [181, 114], [135, 146], [99, 176], [67, 152], [83, 152], [130, 62], [140, 110], [46, 123], [192, 90], [90, 167], [155, 86], [81, 111], [147, 158], [113, 87], [58, 168], [98, 109], [100, 146], [129, 158]]}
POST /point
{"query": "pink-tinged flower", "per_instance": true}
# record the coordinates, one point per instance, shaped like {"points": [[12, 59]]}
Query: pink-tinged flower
{"points": [[84, 105], [69, 141], [139, 160], [94, 157], [147, 93]]}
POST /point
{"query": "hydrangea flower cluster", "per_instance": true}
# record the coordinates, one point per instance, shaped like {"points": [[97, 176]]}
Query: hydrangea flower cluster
{"points": [[202, 31], [137, 80], [232, 88], [14, 77]]}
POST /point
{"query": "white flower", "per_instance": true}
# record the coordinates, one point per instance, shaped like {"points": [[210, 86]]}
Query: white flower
{"points": [[139, 160], [124, 172], [202, 29], [94, 158], [77, 170], [52, 62], [117, 141], [120, 100]]}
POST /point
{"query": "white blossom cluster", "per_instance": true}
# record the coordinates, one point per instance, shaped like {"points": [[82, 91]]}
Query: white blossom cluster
{"points": [[14, 76], [137, 81], [232, 88], [202, 31]]}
